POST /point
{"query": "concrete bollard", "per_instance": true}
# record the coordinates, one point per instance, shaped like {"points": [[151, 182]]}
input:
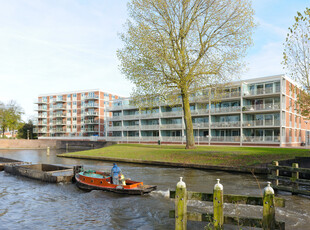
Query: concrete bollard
{"points": [[48, 151], [181, 206], [275, 172], [268, 208], [218, 218]]}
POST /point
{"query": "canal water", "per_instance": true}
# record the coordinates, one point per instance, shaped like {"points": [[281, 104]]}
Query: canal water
{"points": [[31, 204]]}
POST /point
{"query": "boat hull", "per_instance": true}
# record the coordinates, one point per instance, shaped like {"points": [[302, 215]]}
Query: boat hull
{"points": [[89, 183]]}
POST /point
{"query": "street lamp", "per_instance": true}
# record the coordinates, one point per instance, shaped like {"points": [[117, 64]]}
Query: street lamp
{"points": [[306, 136], [198, 132]]}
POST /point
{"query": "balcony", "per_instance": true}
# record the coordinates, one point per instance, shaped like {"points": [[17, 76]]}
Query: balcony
{"points": [[115, 128], [131, 127], [60, 108], [201, 125], [41, 124], [60, 100], [90, 114], [91, 130], [59, 115], [91, 105], [149, 115], [91, 121], [40, 108], [59, 130], [42, 116], [130, 117], [59, 123], [259, 123], [259, 139], [225, 139], [229, 109], [41, 102], [202, 98], [43, 130], [225, 124], [149, 127], [171, 126], [262, 91], [261, 107], [172, 114], [200, 112], [91, 97]]}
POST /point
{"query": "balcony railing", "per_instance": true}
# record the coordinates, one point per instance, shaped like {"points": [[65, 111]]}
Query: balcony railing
{"points": [[91, 105], [268, 106], [228, 109], [149, 127], [59, 108], [59, 115], [200, 112], [41, 124], [91, 114], [40, 108], [41, 102], [115, 128], [263, 91], [200, 125], [225, 139], [171, 126], [252, 123], [91, 129], [127, 117], [91, 121], [88, 97], [172, 114], [227, 124], [36, 130], [131, 127], [149, 115], [42, 116], [261, 139], [60, 100]]}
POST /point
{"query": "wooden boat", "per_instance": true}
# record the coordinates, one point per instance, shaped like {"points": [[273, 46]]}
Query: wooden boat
{"points": [[95, 180]]}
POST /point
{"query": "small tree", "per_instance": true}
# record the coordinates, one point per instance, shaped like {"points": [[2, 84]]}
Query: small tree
{"points": [[296, 57], [174, 48], [25, 130], [10, 116]]}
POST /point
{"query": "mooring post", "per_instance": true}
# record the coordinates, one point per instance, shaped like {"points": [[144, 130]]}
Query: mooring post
{"points": [[218, 218], [295, 176], [48, 151], [268, 208], [275, 172], [67, 147], [181, 206]]}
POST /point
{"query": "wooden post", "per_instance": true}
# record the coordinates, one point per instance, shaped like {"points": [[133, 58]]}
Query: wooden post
{"points": [[268, 208], [181, 206], [48, 151], [67, 147], [275, 172], [218, 219], [295, 176]]}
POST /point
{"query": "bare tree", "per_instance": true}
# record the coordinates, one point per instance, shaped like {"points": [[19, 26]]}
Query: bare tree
{"points": [[173, 48], [296, 57]]}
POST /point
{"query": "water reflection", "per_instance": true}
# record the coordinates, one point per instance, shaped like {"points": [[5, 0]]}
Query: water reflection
{"points": [[30, 204]]}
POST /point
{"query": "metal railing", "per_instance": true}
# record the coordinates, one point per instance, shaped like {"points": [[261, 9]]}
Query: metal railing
{"points": [[267, 106], [261, 139], [228, 109], [171, 126], [225, 139], [251, 123], [225, 124]]}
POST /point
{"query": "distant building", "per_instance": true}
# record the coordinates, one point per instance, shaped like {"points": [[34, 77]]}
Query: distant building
{"points": [[261, 111], [73, 115]]}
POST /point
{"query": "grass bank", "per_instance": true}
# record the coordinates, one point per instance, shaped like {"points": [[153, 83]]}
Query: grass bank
{"points": [[202, 155]]}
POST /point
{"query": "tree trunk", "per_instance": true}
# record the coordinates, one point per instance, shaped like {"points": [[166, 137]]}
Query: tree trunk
{"points": [[190, 141]]}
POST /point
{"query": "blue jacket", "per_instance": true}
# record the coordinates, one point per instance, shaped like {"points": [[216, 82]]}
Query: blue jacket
{"points": [[115, 171]]}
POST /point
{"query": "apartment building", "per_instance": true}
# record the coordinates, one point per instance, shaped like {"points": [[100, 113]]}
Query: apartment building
{"points": [[73, 115], [261, 111]]}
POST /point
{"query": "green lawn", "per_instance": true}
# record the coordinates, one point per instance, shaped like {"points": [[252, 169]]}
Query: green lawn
{"points": [[205, 155]]}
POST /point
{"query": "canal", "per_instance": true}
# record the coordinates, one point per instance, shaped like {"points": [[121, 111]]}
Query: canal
{"points": [[31, 204]]}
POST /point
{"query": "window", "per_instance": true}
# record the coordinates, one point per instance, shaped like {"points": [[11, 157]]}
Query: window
{"points": [[74, 103]]}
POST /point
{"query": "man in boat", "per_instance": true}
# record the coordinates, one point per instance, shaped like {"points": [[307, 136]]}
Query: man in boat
{"points": [[115, 174]]}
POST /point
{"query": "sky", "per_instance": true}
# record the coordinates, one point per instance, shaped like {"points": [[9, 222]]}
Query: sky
{"points": [[51, 46]]}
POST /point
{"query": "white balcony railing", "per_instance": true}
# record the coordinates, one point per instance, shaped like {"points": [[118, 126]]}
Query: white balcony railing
{"points": [[225, 124], [268, 106], [261, 139], [228, 109], [200, 125], [171, 126], [225, 139], [149, 127], [252, 123]]}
